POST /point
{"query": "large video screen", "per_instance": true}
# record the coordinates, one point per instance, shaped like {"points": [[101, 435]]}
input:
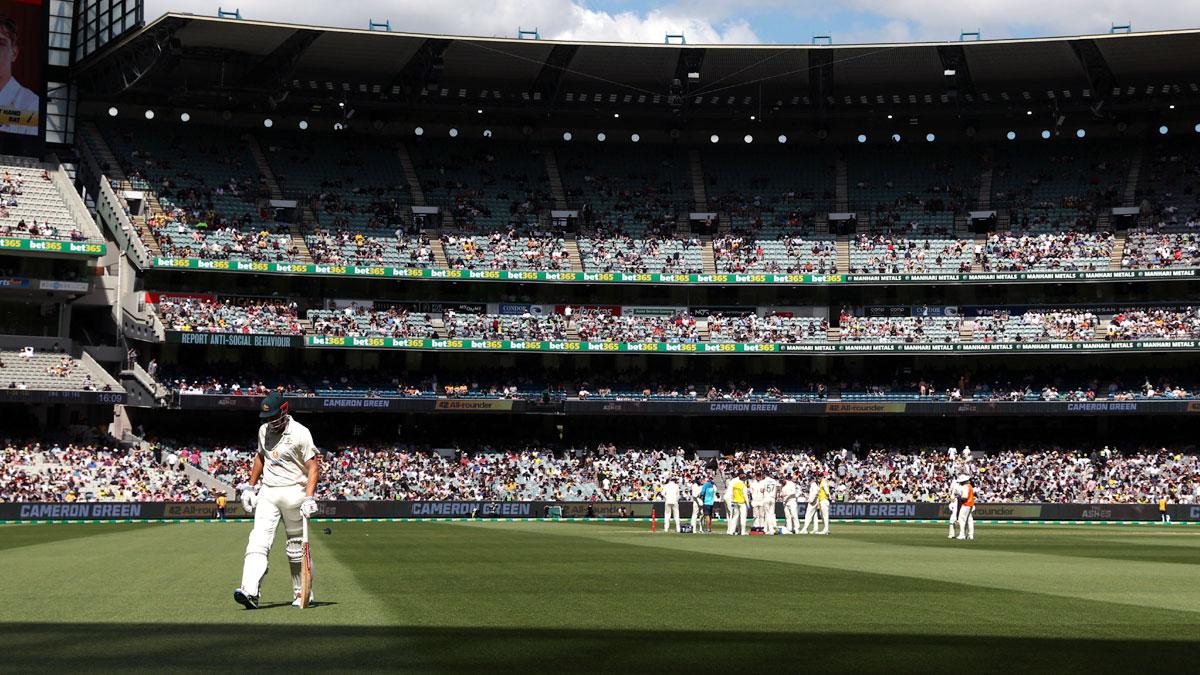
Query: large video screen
{"points": [[23, 30]]}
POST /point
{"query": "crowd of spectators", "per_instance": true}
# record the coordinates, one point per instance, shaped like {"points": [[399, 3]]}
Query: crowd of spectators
{"points": [[229, 315], [1155, 249], [788, 253], [893, 254], [75, 472], [527, 249], [357, 321], [1019, 251], [604, 325], [347, 246], [870, 473]]}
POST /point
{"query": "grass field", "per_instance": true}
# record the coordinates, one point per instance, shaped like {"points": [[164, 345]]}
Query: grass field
{"points": [[556, 597]]}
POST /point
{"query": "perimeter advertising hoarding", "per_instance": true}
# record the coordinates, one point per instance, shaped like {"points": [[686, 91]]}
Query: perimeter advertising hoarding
{"points": [[24, 28], [351, 404], [492, 509]]}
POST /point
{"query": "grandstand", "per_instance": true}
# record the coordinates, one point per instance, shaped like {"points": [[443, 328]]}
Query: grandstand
{"points": [[545, 279]]}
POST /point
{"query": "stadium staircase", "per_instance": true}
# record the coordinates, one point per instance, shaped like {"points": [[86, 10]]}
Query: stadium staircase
{"points": [[576, 258], [707, 255], [699, 196], [439, 253], [985, 189], [1135, 170], [410, 173], [1118, 251], [980, 242], [264, 169], [439, 326], [120, 181], [842, 184], [843, 253], [556, 185]]}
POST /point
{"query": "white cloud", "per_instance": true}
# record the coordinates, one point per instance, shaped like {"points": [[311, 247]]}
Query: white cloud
{"points": [[554, 19]]}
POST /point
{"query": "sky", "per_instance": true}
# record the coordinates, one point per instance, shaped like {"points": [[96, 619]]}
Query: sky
{"points": [[720, 21]]}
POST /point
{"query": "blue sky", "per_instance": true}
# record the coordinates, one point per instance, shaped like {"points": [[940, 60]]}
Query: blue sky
{"points": [[722, 21]]}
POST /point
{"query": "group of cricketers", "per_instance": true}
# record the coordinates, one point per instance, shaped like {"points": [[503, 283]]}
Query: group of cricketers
{"points": [[753, 496]]}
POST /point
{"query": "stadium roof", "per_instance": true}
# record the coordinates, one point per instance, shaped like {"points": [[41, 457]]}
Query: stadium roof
{"points": [[204, 62]]}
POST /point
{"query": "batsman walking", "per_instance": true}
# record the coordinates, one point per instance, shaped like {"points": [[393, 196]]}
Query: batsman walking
{"points": [[287, 466]]}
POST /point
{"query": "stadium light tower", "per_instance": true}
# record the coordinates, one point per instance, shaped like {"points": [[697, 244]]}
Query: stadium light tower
{"points": [[385, 25], [1126, 27], [680, 39], [225, 14], [822, 39], [524, 34]]}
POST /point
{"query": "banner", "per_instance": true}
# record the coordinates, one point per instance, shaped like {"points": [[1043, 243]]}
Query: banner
{"points": [[473, 405], [380, 271], [1180, 513], [69, 397], [88, 248], [234, 339], [466, 344], [351, 404]]}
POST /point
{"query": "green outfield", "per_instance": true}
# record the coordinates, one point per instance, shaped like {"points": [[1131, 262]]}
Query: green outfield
{"points": [[555, 597]]}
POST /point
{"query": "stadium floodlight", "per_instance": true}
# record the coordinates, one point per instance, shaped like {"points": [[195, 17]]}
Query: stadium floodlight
{"points": [[112, 112], [929, 137], [453, 132], [949, 72], [184, 117], [567, 136], [601, 137], [268, 123], [1197, 128], [1012, 135], [635, 138], [479, 111], [748, 138], [487, 133], [1028, 113], [714, 138], [1163, 130], [1172, 106], [895, 138], [303, 125], [149, 114], [752, 118], [862, 138], [338, 126], [782, 138], [1080, 133], [419, 131], [616, 116], [889, 116], [1046, 134]]}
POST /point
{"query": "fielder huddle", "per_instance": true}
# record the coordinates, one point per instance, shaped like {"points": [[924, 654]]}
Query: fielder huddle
{"points": [[287, 464]]}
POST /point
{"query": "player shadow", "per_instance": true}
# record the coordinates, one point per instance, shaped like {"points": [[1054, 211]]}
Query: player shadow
{"points": [[338, 647], [284, 603]]}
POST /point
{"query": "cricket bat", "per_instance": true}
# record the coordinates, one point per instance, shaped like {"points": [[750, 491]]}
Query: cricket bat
{"points": [[306, 567]]}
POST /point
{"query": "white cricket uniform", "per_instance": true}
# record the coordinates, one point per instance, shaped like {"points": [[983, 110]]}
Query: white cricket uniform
{"points": [[791, 512], [811, 516], [670, 493], [284, 478], [966, 514], [697, 507], [22, 104], [953, 507], [770, 491], [756, 510]]}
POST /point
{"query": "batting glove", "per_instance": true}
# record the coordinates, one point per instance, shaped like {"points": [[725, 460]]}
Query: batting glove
{"points": [[249, 500], [308, 507]]}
